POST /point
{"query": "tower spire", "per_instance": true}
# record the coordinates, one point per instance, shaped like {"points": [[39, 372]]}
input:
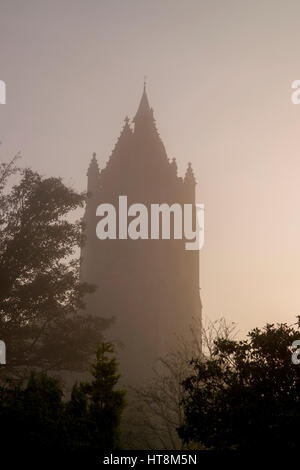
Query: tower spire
{"points": [[93, 175], [144, 109], [189, 177], [173, 165]]}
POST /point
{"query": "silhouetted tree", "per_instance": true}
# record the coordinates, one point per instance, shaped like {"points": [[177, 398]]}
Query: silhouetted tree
{"points": [[34, 417], [40, 290], [103, 404], [76, 421], [247, 395], [155, 409]]}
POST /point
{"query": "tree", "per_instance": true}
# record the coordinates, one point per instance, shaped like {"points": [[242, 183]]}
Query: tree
{"points": [[34, 416], [156, 409], [247, 395], [98, 405], [41, 296]]}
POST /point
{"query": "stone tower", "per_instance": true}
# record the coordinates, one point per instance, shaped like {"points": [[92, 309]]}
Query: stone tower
{"points": [[150, 287]]}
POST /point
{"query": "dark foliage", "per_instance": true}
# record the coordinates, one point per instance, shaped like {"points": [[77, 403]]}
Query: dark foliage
{"points": [[97, 403], [40, 290], [247, 396], [35, 417]]}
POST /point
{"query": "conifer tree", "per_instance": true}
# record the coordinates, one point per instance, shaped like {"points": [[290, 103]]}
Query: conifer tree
{"points": [[105, 403]]}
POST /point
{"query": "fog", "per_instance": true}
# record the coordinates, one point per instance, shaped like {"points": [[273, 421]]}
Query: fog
{"points": [[219, 77]]}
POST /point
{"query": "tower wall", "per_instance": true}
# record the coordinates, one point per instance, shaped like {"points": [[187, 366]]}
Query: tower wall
{"points": [[150, 287]]}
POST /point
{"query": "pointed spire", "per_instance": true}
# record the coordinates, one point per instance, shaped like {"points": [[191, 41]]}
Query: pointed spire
{"points": [[144, 107], [189, 175], [173, 166], [126, 128], [125, 134], [93, 166], [93, 175]]}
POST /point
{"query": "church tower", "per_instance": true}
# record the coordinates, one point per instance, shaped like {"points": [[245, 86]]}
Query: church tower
{"points": [[150, 287]]}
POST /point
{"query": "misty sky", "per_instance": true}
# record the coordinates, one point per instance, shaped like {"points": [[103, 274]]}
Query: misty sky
{"points": [[219, 80]]}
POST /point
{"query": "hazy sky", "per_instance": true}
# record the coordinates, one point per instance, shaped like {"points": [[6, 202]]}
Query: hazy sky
{"points": [[219, 80]]}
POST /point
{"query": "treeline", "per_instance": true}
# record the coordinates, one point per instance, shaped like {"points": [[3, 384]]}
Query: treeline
{"points": [[246, 395], [234, 395], [45, 327], [35, 417]]}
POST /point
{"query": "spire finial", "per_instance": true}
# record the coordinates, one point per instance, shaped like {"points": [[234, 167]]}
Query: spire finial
{"points": [[93, 166], [173, 164], [144, 108], [145, 82], [189, 174]]}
